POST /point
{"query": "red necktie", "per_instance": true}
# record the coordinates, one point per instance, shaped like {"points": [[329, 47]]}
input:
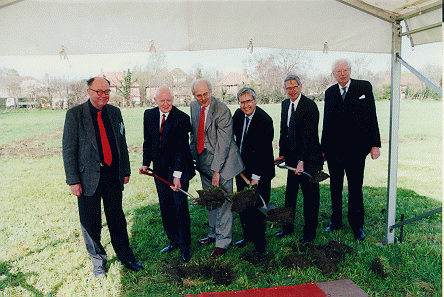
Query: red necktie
{"points": [[161, 129], [201, 131], [107, 155]]}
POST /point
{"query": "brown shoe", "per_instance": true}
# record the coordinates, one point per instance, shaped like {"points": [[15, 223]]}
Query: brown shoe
{"points": [[207, 240], [217, 252]]}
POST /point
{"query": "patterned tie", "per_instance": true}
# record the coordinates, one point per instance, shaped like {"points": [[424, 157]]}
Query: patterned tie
{"points": [[161, 130], [292, 128], [107, 155], [344, 93], [201, 131], [247, 120]]}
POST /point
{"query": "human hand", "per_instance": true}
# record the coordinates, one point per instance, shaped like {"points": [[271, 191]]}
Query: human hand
{"points": [[375, 152], [176, 183], [216, 179], [126, 179], [76, 190]]}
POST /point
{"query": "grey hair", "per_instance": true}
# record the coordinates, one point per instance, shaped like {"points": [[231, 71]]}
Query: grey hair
{"points": [[340, 61], [247, 90], [292, 77], [160, 89], [199, 81]]}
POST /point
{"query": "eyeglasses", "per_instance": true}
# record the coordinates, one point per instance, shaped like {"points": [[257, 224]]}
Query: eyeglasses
{"points": [[344, 71], [100, 92], [294, 88], [246, 102]]}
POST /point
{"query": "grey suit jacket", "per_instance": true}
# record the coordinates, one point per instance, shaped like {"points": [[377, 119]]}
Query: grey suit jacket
{"points": [[80, 151], [223, 153]]}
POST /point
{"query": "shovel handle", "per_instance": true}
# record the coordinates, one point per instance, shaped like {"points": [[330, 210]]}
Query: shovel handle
{"points": [[150, 172]]}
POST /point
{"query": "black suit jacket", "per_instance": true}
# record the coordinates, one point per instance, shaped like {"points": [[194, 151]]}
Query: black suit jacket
{"points": [[81, 155], [257, 146], [307, 147], [350, 124], [174, 154]]}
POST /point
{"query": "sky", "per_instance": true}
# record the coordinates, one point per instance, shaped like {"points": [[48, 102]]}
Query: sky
{"points": [[226, 61]]}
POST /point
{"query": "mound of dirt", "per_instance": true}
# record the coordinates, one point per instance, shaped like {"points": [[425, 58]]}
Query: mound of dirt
{"points": [[378, 268], [212, 197], [244, 199]]}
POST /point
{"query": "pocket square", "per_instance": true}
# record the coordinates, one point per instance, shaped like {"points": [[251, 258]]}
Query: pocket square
{"points": [[362, 97]]}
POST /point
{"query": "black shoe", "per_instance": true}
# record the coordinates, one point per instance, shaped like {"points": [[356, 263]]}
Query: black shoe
{"points": [[186, 255], [241, 243], [259, 251], [307, 238], [283, 233], [134, 266], [359, 234], [169, 248], [331, 227], [99, 271]]}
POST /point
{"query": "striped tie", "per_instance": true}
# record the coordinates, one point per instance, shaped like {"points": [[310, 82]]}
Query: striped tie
{"points": [[161, 130]]}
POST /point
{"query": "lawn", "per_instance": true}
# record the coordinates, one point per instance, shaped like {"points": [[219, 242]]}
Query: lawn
{"points": [[42, 251]]}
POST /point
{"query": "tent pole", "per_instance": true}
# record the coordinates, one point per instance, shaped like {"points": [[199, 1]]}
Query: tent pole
{"points": [[394, 131]]}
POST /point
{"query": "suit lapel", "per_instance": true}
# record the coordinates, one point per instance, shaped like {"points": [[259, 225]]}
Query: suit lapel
{"points": [[211, 111], [89, 126]]}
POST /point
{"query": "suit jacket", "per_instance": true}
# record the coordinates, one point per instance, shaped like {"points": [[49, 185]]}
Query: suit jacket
{"points": [[307, 147], [223, 153], [174, 154], [80, 151], [257, 146], [351, 123]]}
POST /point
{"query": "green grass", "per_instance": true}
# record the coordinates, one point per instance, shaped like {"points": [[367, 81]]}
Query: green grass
{"points": [[42, 251]]}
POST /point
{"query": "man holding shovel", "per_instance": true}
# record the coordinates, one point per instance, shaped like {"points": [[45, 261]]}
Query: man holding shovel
{"points": [[254, 133], [299, 147], [215, 152], [165, 144]]}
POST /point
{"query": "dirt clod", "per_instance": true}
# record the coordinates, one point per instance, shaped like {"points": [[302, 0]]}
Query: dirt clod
{"points": [[244, 199], [378, 268], [212, 197]]}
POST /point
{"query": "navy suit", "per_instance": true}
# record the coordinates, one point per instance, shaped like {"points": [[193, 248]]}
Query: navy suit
{"points": [[257, 156], [306, 149], [173, 155], [350, 130]]}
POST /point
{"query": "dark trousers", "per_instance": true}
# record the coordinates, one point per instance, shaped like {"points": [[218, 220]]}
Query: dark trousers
{"points": [[175, 214], [110, 192], [252, 219], [354, 169], [310, 192]]}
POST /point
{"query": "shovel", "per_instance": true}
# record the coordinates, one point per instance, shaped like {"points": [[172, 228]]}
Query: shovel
{"points": [[264, 209], [150, 172], [316, 178]]}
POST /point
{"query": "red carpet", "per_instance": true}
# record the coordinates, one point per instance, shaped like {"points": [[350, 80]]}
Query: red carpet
{"points": [[306, 290]]}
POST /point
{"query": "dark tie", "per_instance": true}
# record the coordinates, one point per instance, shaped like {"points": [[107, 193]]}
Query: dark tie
{"points": [[161, 130], [292, 128], [344, 93], [107, 155], [201, 132], [247, 120]]}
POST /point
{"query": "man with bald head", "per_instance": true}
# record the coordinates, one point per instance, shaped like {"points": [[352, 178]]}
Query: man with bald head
{"points": [[166, 130], [97, 166]]}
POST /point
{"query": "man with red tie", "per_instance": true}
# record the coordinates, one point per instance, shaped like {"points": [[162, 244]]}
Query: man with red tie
{"points": [[215, 152], [97, 166], [165, 130]]}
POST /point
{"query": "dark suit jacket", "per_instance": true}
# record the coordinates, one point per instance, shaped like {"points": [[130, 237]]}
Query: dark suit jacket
{"points": [[223, 153], [307, 148], [80, 151], [258, 143], [350, 123], [174, 154]]}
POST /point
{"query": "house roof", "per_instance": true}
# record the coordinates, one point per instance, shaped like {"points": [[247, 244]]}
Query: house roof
{"points": [[235, 79], [115, 78]]}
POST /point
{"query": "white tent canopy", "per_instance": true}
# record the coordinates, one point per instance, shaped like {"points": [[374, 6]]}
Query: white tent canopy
{"points": [[59, 27], [42, 27]]}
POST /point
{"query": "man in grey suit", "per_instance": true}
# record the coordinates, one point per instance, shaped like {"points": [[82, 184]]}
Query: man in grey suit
{"points": [[97, 166], [215, 152]]}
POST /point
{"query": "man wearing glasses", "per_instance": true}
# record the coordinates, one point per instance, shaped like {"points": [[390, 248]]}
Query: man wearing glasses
{"points": [[350, 133], [96, 161], [299, 147], [254, 133]]}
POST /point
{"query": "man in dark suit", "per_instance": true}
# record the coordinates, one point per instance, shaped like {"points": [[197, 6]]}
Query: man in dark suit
{"points": [[253, 131], [350, 133], [166, 144], [299, 147], [97, 166], [215, 152]]}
